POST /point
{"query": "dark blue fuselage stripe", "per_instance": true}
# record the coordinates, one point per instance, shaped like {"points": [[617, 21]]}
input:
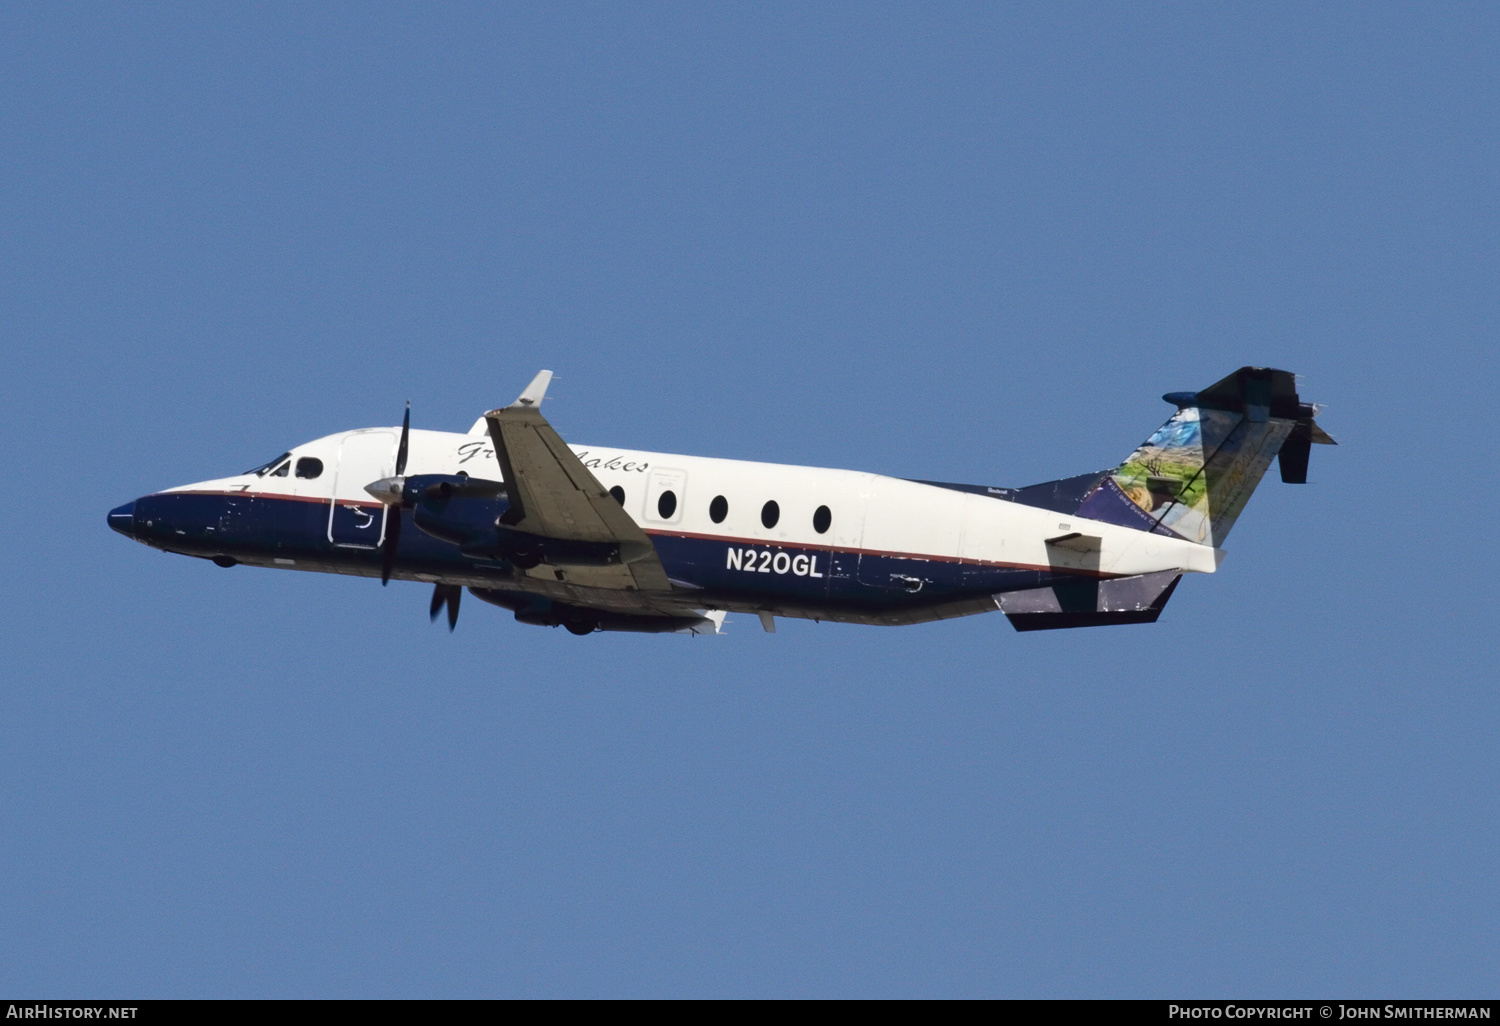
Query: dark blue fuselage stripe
{"points": [[723, 539], [261, 527]]}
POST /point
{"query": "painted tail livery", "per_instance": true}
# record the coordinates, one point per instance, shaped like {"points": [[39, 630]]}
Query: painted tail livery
{"points": [[1193, 477], [1190, 480], [595, 538]]}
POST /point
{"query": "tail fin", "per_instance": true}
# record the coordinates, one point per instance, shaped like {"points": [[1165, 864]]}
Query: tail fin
{"points": [[1195, 474]]}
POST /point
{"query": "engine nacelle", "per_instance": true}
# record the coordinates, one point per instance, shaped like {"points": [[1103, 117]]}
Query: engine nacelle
{"points": [[460, 510], [470, 512]]}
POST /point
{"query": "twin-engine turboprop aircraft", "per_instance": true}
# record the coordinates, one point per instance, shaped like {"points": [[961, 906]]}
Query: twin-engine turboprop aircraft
{"points": [[619, 540]]}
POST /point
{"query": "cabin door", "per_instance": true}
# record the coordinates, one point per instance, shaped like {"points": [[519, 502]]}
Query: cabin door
{"points": [[356, 521]]}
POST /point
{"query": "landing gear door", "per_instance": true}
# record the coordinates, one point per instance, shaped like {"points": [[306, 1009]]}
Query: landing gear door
{"points": [[356, 521]]}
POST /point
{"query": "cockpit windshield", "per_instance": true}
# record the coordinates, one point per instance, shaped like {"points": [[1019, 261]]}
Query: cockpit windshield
{"points": [[264, 468]]}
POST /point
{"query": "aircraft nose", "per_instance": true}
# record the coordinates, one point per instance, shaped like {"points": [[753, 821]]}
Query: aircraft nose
{"points": [[122, 519]]}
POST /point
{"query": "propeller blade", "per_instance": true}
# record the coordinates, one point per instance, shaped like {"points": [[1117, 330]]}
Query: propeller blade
{"points": [[445, 595], [393, 526], [405, 435], [392, 539]]}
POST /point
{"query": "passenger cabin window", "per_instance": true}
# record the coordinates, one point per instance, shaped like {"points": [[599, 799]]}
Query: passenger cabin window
{"points": [[822, 519], [618, 494], [666, 504], [770, 513], [309, 467], [718, 509]]}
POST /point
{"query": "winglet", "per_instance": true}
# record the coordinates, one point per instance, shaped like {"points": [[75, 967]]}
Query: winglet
{"points": [[532, 397]]}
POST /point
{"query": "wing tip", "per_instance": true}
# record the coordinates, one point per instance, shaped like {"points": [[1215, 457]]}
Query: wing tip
{"points": [[535, 392], [529, 399]]}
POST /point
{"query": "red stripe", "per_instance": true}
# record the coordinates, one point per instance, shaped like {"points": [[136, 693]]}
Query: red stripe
{"points": [[278, 495]]}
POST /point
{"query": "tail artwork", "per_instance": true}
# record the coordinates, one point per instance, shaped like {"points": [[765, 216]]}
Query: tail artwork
{"points": [[1189, 480], [1193, 476]]}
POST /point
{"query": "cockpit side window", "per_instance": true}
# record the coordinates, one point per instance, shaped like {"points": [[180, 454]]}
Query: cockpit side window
{"points": [[261, 470], [309, 467], [281, 471]]}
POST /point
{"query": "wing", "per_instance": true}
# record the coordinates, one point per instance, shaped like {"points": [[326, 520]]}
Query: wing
{"points": [[553, 495]]}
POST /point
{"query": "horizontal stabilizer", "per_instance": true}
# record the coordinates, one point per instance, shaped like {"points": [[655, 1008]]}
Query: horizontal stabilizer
{"points": [[1083, 603], [1293, 457]]}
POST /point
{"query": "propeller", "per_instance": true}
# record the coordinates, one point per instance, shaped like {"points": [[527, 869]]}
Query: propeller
{"points": [[393, 509], [445, 595], [390, 491]]}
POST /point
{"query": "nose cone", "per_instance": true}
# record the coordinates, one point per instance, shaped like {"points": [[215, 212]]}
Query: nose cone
{"points": [[122, 519]]}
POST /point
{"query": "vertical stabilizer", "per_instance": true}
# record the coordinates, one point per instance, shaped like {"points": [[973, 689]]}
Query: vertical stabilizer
{"points": [[1193, 477]]}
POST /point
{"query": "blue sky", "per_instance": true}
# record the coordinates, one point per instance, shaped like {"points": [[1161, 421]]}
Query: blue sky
{"points": [[969, 243]]}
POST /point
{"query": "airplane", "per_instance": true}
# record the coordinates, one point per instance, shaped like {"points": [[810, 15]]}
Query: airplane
{"points": [[602, 539]]}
